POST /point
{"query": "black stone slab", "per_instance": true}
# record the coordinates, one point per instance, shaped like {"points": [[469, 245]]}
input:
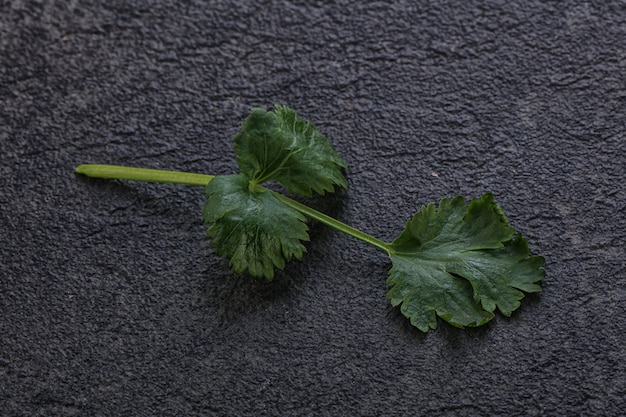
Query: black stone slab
{"points": [[112, 301]]}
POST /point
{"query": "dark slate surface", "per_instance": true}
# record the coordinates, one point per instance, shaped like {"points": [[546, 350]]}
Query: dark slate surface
{"points": [[112, 301]]}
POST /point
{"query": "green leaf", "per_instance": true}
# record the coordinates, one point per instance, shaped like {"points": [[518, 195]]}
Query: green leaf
{"points": [[280, 146], [251, 227], [460, 262]]}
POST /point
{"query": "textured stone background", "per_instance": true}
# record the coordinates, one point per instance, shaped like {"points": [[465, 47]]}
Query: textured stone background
{"points": [[112, 301]]}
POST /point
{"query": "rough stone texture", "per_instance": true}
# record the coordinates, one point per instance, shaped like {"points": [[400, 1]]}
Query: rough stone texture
{"points": [[112, 301]]}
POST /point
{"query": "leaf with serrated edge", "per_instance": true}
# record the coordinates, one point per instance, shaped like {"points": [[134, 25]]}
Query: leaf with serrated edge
{"points": [[251, 227], [460, 262], [280, 146]]}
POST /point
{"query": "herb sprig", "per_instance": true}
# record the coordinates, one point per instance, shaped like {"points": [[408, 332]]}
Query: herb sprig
{"points": [[456, 261]]}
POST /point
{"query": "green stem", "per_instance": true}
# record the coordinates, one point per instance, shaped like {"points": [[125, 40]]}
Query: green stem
{"points": [[116, 172], [176, 177], [335, 224]]}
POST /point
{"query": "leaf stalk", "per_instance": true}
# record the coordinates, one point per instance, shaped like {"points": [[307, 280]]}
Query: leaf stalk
{"points": [[187, 178], [334, 223], [116, 172]]}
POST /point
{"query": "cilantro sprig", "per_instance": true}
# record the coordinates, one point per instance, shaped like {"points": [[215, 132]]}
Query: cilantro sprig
{"points": [[460, 262]]}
